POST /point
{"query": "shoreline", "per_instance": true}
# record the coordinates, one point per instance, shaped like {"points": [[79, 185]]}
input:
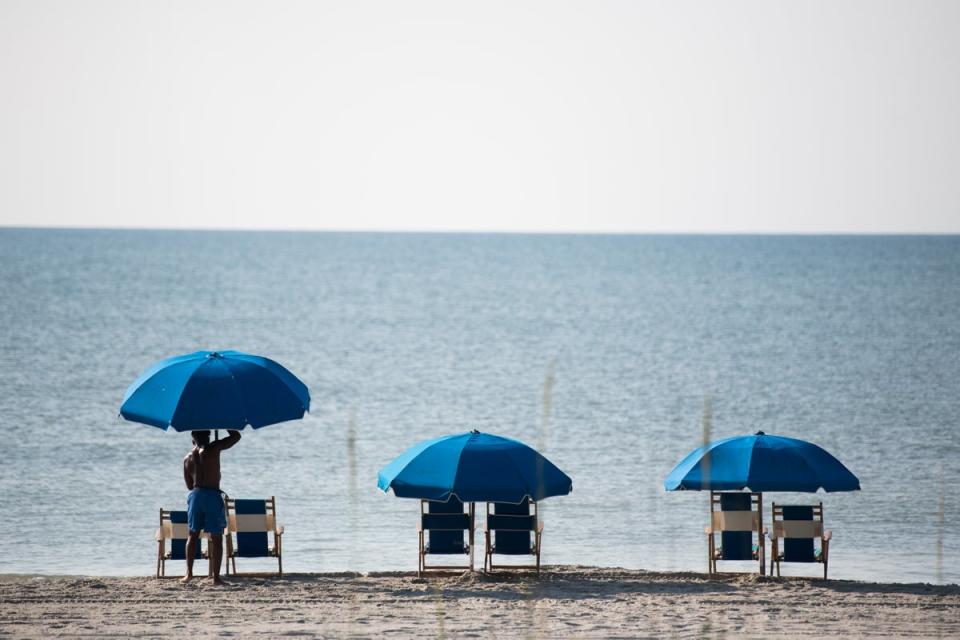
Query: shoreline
{"points": [[565, 601], [505, 576]]}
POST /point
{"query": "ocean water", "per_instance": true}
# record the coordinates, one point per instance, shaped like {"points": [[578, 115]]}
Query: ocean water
{"points": [[609, 353]]}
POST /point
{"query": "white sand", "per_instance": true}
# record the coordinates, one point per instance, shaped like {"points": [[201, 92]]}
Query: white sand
{"points": [[564, 601]]}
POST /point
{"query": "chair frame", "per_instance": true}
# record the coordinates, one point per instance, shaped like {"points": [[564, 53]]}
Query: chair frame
{"points": [[756, 510], [777, 532], [163, 556], [422, 567], [489, 567], [230, 552]]}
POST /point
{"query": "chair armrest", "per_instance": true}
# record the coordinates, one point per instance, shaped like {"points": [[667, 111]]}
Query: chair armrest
{"points": [[540, 528], [158, 535], [278, 531], [827, 535], [419, 526], [763, 532], [708, 530]]}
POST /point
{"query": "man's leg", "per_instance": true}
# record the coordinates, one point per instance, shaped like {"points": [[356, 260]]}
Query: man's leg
{"points": [[193, 539], [216, 556]]}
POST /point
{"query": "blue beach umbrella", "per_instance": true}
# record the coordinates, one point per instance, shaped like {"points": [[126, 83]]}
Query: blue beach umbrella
{"points": [[474, 467], [215, 390], [761, 463]]}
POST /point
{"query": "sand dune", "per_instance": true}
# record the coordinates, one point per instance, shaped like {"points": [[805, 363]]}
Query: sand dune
{"points": [[563, 602]]}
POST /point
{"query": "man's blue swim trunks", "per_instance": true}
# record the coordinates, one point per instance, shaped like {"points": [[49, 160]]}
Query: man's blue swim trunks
{"points": [[205, 511]]}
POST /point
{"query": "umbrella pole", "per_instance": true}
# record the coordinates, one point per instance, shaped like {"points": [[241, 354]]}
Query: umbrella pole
{"points": [[216, 434], [763, 542]]}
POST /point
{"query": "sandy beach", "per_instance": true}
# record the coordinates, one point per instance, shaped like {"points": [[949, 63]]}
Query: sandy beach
{"points": [[563, 602]]}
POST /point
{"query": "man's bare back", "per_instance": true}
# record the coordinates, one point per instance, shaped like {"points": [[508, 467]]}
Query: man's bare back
{"points": [[201, 467]]}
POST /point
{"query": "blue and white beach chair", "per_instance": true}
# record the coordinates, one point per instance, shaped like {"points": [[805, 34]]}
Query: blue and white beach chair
{"points": [[737, 518], [444, 529], [250, 522], [173, 527], [799, 526], [512, 530]]}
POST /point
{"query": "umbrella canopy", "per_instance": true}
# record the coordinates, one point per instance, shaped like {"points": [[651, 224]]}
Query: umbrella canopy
{"points": [[475, 467], [761, 463], [215, 390]]}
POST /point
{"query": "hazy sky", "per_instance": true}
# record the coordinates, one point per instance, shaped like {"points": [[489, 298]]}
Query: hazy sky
{"points": [[604, 116]]}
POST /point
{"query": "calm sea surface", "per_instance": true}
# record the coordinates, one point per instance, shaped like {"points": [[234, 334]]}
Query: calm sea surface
{"points": [[606, 352]]}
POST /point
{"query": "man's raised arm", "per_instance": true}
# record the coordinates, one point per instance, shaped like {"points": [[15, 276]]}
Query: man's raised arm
{"points": [[233, 437]]}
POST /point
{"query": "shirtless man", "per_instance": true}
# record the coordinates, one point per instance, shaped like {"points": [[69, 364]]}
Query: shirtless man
{"points": [[201, 472]]}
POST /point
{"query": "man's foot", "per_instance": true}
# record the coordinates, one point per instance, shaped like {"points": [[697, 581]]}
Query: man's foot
{"points": [[185, 579], [217, 582]]}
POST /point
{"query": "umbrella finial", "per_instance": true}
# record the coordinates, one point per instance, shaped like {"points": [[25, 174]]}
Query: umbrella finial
{"points": [[760, 433], [474, 431]]}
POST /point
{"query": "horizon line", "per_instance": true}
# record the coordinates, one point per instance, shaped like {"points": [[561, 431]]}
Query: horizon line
{"points": [[517, 232]]}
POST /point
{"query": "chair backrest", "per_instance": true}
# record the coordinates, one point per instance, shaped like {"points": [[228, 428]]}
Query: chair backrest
{"points": [[250, 521], [173, 527], [445, 524], [737, 517], [512, 526], [798, 525]]}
